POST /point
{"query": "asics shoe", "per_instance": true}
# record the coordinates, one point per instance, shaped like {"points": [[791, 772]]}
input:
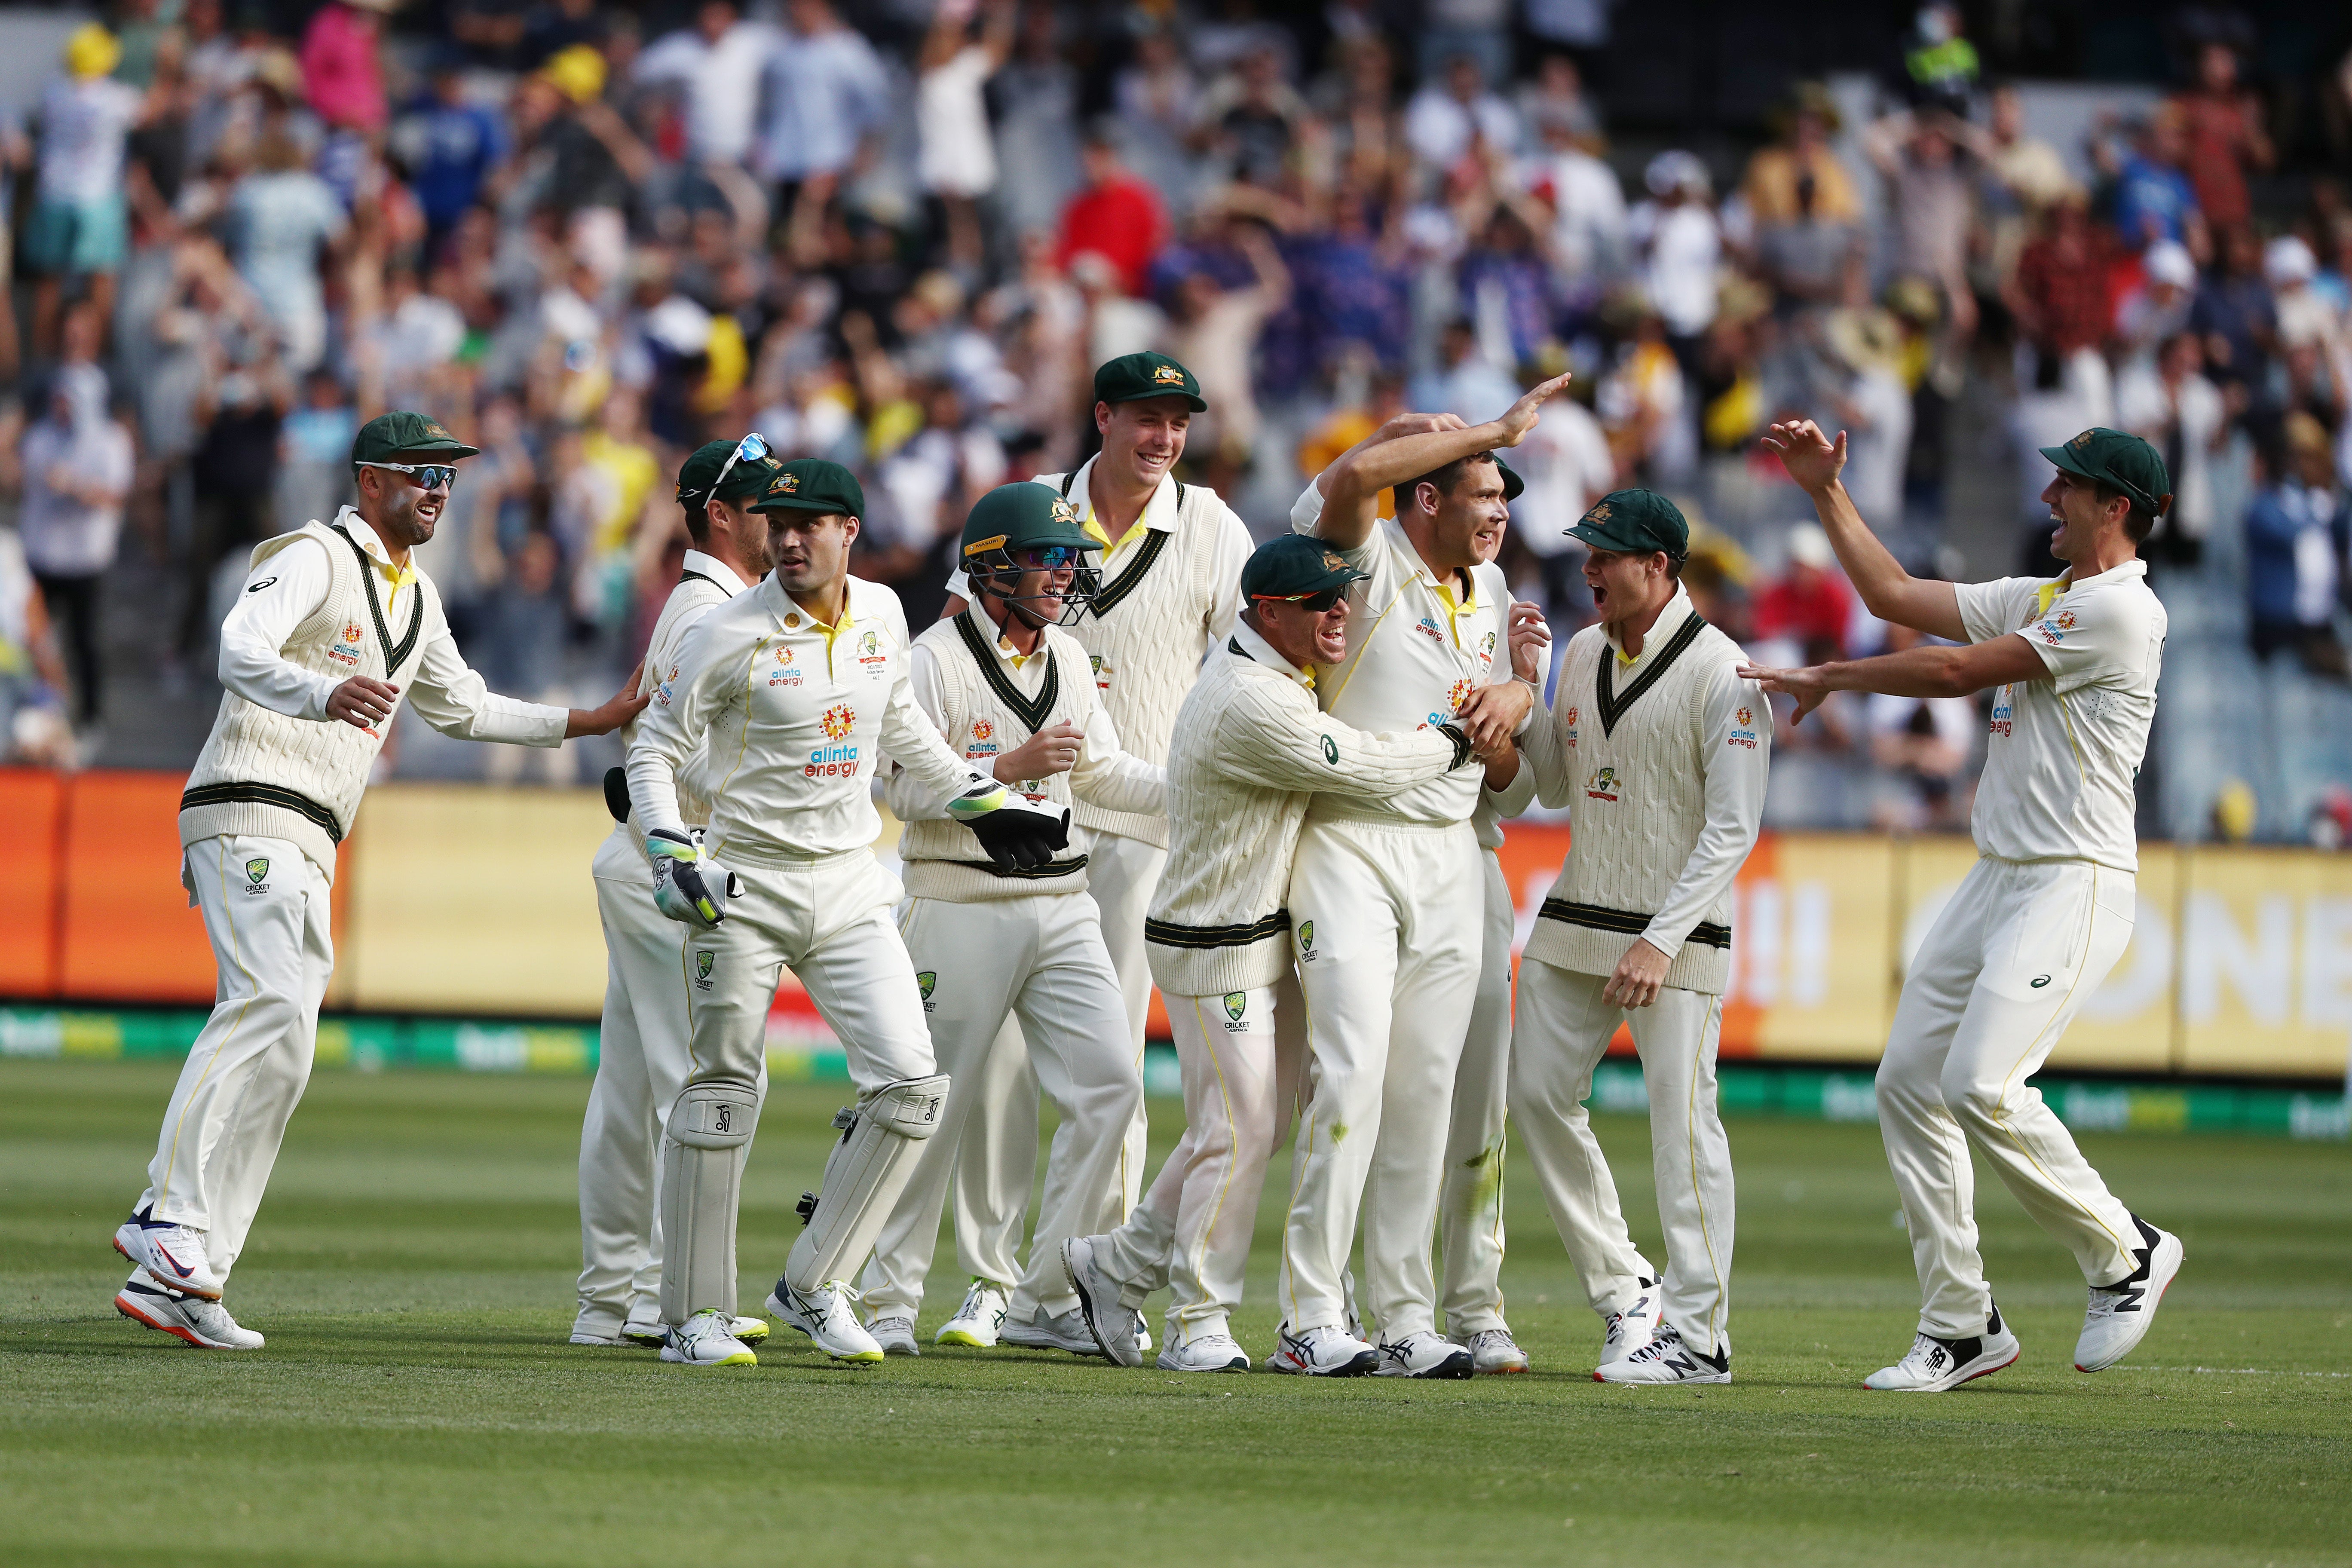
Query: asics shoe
{"points": [[824, 1315], [1624, 1333], [1067, 1332], [1934, 1364], [707, 1339], [979, 1320], [750, 1331], [204, 1324], [1324, 1352], [172, 1255], [1665, 1359], [895, 1335], [1112, 1323], [1205, 1352], [1422, 1355], [2119, 1313], [1493, 1352]]}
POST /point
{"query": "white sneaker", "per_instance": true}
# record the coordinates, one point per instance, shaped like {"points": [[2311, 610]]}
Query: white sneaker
{"points": [[1205, 1352], [1324, 1352], [1624, 1333], [1665, 1359], [1494, 1353], [707, 1339], [1113, 1323], [824, 1315], [1067, 1332], [2119, 1313], [1425, 1354], [1142, 1335], [895, 1335], [751, 1331], [979, 1320], [172, 1255], [584, 1336], [1934, 1366], [653, 1336], [204, 1324]]}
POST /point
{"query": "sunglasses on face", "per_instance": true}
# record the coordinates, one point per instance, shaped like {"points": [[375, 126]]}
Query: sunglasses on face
{"points": [[1050, 558], [1313, 604], [426, 476]]}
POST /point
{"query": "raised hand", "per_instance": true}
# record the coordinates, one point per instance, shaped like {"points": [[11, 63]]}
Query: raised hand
{"points": [[1520, 418], [1811, 457]]}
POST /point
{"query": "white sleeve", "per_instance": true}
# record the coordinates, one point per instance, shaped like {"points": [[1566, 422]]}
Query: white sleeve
{"points": [[1988, 610], [1734, 756], [277, 597], [671, 729], [449, 695], [1519, 793], [1307, 512], [908, 798], [1107, 775], [1234, 546]]}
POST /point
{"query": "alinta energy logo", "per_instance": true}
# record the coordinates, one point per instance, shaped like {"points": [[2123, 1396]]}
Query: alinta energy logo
{"points": [[835, 760], [838, 721]]}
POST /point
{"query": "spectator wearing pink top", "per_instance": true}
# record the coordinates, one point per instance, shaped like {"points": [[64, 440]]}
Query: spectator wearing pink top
{"points": [[340, 74]]}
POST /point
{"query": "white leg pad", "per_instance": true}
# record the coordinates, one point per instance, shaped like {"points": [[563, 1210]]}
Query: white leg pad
{"points": [[702, 1182], [863, 1178]]}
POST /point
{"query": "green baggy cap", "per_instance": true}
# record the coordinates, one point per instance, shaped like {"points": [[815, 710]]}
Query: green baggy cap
{"points": [[1634, 522], [1294, 567], [392, 437], [1147, 374], [703, 466], [812, 484], [2119, 458]]}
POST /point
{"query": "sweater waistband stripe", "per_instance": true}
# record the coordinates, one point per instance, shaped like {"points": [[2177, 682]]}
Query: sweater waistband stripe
{"points": [[1166, 933], [240, 794], [1596, 917], [1024, 873]]}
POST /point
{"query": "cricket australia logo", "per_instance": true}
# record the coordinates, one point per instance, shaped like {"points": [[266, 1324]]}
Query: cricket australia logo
{"points": [[1102, 676], [926, 980], [1307, 941], [256, 873], [870, 656], [1486, 648], [1601, 785], [704, 960], [1236, 1004]]}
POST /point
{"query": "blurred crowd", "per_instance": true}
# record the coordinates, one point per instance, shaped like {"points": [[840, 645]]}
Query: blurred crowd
{"points": [[588, 236]]}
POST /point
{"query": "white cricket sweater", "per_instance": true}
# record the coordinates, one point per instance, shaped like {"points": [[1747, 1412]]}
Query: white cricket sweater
{"points": [[1662, 764], [986, 704], [1251, 749], [322, 604], [1171, 589]]}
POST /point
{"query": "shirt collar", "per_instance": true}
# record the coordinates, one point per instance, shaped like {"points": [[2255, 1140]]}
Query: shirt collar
{"points": [[360, 529], [1247, 642], [1401, 542], [1159, 513], [717, 571], [995, 637], [2066, 583], [1670, 620]]}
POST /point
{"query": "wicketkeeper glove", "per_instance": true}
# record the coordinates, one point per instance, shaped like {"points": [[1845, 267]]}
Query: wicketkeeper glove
{"points": [[689, 886], [1461, 745], [1017, 834]]}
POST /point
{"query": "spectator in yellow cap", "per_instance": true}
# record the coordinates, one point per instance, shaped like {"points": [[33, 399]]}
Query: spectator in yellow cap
{"points": [[78, 228]]}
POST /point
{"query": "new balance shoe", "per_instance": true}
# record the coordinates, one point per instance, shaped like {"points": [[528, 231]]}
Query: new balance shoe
{"points": [[1066, 1332], [1423, 1355], [172, 1255], [1934, 1364], [1624, 1333], [896, 1334], [204, 1324], [1205, 1352], [2119, 1313], [707, 1339], [1493, 1352], [1324, 1352], [978, 1321], [823, 1314], [1113, 1323], [1666, 1359]]}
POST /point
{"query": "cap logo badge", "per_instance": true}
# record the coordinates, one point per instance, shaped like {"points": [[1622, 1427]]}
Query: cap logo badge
{"points": [[1064, 512], [2082, 440], [433, 427], [1331, 563], [785, 485], [1168, 376], [1598, 515]]}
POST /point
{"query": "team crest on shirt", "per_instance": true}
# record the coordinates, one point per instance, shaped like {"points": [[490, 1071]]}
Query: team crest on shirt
{"points": [[1601, 785], [1307, 941], [788, 666], [347, 650], [926, 980], [984, 740], [704, 960], [1486, 650], [257, 875], [1571, 725], [1236, 1004], [667, 687], [871, 656], [1102, 676]]}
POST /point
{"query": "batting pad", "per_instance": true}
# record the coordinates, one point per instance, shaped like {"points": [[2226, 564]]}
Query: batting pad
{"points": [[863, 1178], [702, 1180]]}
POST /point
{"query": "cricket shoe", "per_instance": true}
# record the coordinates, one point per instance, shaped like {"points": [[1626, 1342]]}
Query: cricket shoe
{"points": [[1626, 1331], [978, 1321], [1934, 1364], [895, 1335], [1423, 1355], [652, 1336], [590, 1337], [1493, 1352], [204, 1324], [1665, 1359], [1326, 1352], [823, 1314], [1113, 1323], [707, 1339], [172, 1255], [751, 1331], [1205, 1352], [2119, 1313], [1066, 1332]]}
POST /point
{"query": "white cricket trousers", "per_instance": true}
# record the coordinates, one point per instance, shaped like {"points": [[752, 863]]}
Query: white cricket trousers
{"points": [[2003, 971], [269, 912], [1564, 1026], [1242, 1055], [641, 1064], [1388, 922], [1470, 1205], [1041, 959]]}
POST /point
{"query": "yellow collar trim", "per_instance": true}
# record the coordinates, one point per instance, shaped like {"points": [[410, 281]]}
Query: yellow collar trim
{"points": [[1455, 610]]}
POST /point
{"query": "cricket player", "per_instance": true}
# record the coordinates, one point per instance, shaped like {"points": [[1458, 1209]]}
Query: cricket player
{"points": [[1171, 556], [641, 1057], [1659, 750], [791, 687], [1251, 749], [2045, 912], [334, 629], [1016, 693], [1388, 895]]}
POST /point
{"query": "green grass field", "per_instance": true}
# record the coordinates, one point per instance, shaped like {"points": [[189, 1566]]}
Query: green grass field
{"points": [[417, 1404]]}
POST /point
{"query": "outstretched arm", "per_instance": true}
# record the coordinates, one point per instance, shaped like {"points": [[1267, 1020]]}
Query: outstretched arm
{"points": [[1351, 485], [1815, 462], [1913, 672]]}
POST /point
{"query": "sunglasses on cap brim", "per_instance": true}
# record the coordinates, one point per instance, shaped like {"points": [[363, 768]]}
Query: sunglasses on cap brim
{"points": [[427, 475]]}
